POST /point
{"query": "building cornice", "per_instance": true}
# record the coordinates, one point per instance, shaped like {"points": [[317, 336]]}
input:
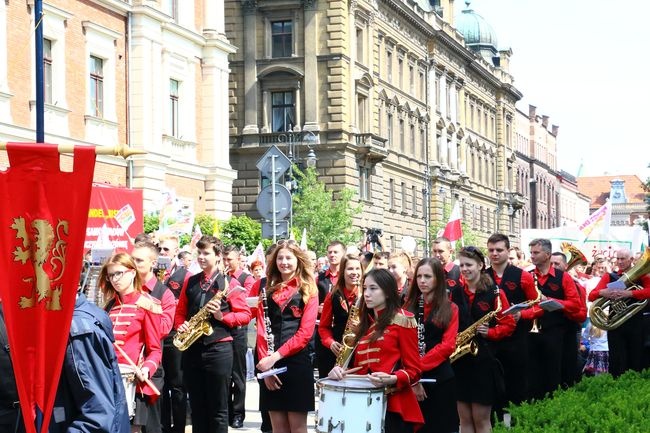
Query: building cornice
{"points": [[119, 6]]}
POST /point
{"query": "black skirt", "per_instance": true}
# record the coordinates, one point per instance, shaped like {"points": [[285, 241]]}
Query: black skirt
{"points": [[297, 391], [439, 408], [479, 379]]}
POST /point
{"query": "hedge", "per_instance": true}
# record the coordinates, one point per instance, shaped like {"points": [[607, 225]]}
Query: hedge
{"points": [[597, 404]]}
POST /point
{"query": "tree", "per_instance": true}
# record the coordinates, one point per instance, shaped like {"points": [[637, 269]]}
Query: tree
{"points": [[326, 217], [242, 230]]}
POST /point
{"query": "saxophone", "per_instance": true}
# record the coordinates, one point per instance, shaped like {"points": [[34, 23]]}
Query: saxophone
{"points": [[199, 325], [465, 342], [345, 355]]}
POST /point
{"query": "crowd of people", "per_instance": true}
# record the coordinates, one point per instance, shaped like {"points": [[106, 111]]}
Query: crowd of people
{"points": [[453, 339]]}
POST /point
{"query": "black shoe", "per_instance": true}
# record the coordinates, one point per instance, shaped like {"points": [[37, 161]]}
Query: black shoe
{"points": [[237, 422]]}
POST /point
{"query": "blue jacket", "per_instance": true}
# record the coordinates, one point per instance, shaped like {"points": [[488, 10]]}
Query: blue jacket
{"points": [[90, 397]]}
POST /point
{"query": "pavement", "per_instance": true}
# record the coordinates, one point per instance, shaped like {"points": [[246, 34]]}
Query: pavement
{"points": [[253, 419]]}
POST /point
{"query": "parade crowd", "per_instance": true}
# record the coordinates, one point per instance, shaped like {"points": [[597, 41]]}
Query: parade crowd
{"points": [[450, 340]]}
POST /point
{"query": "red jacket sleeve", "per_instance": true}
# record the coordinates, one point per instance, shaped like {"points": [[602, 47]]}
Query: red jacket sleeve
{"points": [[239, 314], [305, 331], [168, 304], [255, 288], [580, 315], [571, 299], [528, 287], [152, 348], [180, 316], [643, 293], [443, 350], [409, 357], [505, 324], [602, 284], [325, 325]]}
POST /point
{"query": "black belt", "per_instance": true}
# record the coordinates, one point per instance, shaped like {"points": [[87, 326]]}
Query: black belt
{"points": [[10, 404]]}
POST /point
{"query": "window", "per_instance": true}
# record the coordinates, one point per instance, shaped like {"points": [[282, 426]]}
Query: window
{"points": [[437, 89], [96, 86], [281, 38], [403, 197], [412, 139], [389, 124], [173, 108], [282, 111], [415, 200], [172, 9], [391, 194], [389, 66], [400, 73], [364, 183], [401, 135], [47, 70], [360, 54], [411, 80], [422, 86], [362, 110]]}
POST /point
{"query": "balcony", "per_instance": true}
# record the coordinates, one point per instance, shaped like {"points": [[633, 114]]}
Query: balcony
{"points": [[372, 147]]}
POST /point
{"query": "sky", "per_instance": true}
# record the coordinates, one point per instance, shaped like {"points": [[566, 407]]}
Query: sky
{"points": [[585, 64]]}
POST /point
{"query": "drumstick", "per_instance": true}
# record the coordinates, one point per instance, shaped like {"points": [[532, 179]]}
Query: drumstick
{"points": [[146, 380], [352, 370]]}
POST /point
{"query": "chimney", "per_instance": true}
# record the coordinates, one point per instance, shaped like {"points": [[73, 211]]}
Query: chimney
{"points": [[532, 110], [504, 55], [544, 121], [554, 130]]}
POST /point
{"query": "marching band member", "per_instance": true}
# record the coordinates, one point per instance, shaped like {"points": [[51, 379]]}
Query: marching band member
{"points": [[399, 264], [442, 251], [337, 307], [545, 346], [136, 318], [387, 351], [626, 341], [437, 320], [289, 305], [207, 364], [518, 287], [480, 377]]}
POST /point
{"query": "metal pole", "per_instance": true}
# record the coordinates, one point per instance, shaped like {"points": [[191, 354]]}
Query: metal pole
{"points": [[40, 88], [273, 191]]}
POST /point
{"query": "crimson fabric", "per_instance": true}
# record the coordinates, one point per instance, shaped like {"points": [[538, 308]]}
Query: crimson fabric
{"points": [[42, 228]]}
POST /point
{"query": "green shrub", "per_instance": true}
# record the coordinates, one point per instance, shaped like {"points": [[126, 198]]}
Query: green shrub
{"points": [[598, 404]]}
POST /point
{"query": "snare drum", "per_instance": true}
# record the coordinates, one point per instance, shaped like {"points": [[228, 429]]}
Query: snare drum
{"points": [[128, 380], [351, 405]]}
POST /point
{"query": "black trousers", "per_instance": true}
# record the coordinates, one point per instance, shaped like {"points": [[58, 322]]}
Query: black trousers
{"points": [[153, 424], [11, 420], [626, 346], [570, 355], [395, 424], [237, 399], [512, 353], [545, 360], [206, 371], [174, 395]]}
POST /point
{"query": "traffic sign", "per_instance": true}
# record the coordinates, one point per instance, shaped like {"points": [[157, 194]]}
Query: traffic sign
{"points": [[282, 202], [281, 229], [282, 163]]}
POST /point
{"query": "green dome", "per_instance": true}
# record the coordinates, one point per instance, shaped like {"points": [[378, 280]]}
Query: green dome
{"points": [[478, 34]]}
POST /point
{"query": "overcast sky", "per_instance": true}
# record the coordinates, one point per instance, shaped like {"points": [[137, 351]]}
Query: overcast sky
{"points": [[586, 65]]}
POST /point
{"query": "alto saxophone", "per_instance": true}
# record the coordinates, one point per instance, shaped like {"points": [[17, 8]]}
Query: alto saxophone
{"points": [[465, 342], [199, 325], [345, 355]]}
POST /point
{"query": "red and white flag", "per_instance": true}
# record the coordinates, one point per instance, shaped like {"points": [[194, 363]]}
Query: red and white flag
{"points": [[454, 230]]}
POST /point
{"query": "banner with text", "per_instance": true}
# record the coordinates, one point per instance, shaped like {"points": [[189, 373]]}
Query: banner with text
{"points": [[114, 217]]}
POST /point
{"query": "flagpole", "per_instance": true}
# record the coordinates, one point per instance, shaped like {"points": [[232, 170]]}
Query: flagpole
{"points": [[118, 150], [40, 88]]}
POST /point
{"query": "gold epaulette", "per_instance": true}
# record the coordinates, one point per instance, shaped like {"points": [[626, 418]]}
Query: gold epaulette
{"points": [[148, 303], [404, 319]]}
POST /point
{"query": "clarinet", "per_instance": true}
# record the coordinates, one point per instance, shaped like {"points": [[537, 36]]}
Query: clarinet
{"points": [[421, 344], [267, 322]]}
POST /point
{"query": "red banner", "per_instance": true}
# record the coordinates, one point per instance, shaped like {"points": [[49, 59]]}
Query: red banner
{"points": [[42, 221], [114, 217]]}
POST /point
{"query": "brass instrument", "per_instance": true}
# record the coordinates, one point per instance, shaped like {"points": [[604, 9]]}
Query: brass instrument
{"points": [[576, 256], [345, 355], [535, 328], [608, 314], [199, 325], [465, 342]]}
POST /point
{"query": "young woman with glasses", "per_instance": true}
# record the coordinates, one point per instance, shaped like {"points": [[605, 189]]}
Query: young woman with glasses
{"points": [[136, 326]]}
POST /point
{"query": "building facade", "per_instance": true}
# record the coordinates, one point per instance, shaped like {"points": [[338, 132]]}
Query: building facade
{"points": [[573, 205], [627, 194], [151, 74], [391, 97]]}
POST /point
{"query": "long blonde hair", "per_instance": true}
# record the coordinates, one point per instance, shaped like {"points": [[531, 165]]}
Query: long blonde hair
{"points": [[306, 282], [107, 289]]}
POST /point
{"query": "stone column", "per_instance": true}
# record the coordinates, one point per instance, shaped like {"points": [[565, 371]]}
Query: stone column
{"points": [[249, 8], [311, 80]]}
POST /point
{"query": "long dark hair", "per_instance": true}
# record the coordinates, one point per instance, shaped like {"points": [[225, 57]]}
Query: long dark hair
{"points": [[441, 305], [485, 283], [388, 285], [340, 283]]}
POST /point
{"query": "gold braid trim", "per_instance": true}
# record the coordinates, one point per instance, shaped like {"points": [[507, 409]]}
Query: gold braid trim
{"points": [[404, 321]]}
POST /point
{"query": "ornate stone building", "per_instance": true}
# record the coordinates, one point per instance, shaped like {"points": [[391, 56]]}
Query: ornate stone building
{"points": [[574, 205], [397, 104], [151, 74]]}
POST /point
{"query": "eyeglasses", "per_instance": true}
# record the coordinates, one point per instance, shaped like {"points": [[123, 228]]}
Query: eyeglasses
{"points": [[165, 249], [286, 242], [115, 276]]}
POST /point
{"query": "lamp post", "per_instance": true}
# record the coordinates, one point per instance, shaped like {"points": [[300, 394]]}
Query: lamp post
{"points": [[293, 140]]}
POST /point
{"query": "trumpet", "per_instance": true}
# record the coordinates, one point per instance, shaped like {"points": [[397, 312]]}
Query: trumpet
{"points": [[535, 328]]}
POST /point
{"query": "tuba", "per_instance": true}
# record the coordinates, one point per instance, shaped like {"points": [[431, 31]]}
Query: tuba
{"points": [[575, 255], [608, 314]]}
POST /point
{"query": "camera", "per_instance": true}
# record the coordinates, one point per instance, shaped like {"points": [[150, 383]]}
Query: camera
{"points": [[374, 235]]}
